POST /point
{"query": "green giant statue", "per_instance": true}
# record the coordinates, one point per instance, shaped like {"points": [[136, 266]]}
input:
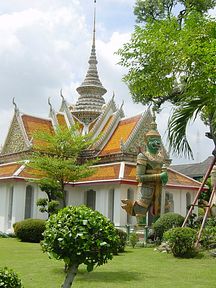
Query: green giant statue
{"points": [[150, 177]]}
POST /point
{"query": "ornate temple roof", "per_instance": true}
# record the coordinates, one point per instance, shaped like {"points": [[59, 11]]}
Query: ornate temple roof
{"points": [[120, 172]]}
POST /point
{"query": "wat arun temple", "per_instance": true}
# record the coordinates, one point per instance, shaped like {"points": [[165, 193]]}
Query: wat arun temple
{"points": [[118, 140]]}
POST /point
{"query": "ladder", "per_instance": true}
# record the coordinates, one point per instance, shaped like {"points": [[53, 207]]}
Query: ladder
{"points": [[207, 206]]}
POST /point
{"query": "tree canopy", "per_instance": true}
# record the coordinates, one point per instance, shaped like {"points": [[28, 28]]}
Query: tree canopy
{"points": [[146, 10], [79, 235], [172, 57], [56, 161]]}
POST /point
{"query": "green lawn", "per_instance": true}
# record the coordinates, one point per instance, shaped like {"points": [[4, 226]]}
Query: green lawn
{"points": [[139, 268]]}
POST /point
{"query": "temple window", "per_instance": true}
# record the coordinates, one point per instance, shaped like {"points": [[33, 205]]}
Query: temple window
{"points": [[66, 197], [90, 200], [111, 204], [29, 202], [188, 200], [10, 205], [63, 202], [169, 202]]}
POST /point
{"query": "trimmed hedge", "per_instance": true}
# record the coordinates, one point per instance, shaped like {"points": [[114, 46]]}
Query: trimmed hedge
{"points": [[9, 279], [181, 241], [166, 222], [30, 230]]}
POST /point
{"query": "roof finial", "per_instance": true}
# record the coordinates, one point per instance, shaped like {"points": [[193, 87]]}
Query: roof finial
{"points": [[50, 104], [15, 105], [113, 95], [61, 94], [122, 104], [94, 24]]}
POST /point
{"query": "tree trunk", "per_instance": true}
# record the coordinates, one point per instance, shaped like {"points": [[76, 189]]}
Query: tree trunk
{"points": [[71, 273]]}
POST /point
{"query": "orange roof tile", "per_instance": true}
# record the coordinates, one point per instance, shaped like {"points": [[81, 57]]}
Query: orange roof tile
{"points": [[104, 173], [123, 131], [9, 169], [34, 124], [28, 172], [130, 172], [176, 178], [61, 120]]}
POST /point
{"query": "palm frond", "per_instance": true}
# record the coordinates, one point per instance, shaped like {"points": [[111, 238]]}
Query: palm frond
{"points": [[177, 127]]}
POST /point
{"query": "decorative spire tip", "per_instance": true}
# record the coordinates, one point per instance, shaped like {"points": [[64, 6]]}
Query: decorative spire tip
{"points": [[61, 93], [49, 102], [15, 105], [122, 104]]}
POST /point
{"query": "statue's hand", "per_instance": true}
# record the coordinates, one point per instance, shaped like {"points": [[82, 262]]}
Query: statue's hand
{"points": [[164, 177]]}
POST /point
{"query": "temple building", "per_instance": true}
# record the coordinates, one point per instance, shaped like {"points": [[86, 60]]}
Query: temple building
{"points": [[119, 139]]}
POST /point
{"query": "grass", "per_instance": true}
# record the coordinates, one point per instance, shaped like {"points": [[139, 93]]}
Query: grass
{"points": [[139, 267]]}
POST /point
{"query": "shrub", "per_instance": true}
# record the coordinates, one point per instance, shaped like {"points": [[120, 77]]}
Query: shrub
{"points": [[79, 235], [134, 239], [208, 237], [211, 222], [30, 230], [181, 241], [9, 279], [122, 241], [166, 222]]}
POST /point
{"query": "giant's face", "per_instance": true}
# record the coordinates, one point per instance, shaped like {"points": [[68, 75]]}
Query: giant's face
{"points": [[153, 144]]}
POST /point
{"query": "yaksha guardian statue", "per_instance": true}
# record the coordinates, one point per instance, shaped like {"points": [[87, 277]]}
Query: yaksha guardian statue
{"points": [[150, 177]]}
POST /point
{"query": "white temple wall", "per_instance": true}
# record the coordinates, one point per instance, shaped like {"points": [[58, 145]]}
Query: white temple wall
{"points": [[180, 202], [18, 202], [37, 195], [3, 197], [75, 195], [107, 201]]}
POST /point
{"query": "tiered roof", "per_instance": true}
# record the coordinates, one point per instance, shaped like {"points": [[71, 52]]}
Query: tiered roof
{"points": [[120, 172]]}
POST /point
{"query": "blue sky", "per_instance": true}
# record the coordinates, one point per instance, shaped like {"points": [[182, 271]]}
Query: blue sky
{"points": [[45, 45]]}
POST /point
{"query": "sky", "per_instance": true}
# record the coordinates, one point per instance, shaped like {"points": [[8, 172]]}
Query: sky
{"points": [[45, 46]]}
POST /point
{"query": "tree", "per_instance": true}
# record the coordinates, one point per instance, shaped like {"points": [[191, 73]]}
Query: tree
{"points": [[56, 161], [173, 58], [79, 235], [159, 9]]}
